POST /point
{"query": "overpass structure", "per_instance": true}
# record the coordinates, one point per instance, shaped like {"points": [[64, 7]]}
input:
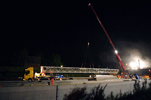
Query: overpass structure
{"points": [[53, 69]]}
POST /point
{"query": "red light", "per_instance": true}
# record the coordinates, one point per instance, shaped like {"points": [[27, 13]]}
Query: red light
{"points": [[89, 4]]}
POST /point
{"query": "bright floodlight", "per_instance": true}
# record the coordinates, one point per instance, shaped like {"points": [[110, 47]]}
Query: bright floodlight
{"points": [[116, 51], [134, 65], [142, 64], [89, 4], [88, 43]]}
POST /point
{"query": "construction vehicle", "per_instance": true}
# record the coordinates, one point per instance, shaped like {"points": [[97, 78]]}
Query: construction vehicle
{"points": [[60, 77], [30, 76], [45, 69], [143, 73], [124, 73]]}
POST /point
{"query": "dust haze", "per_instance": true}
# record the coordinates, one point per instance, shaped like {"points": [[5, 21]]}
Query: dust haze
{"points": [[129, 52]]}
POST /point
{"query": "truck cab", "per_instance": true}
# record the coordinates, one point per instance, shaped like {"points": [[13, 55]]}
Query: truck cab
{"points": [[29, 74]]}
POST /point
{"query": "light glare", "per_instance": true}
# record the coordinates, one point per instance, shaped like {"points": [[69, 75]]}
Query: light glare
{"points": [[116, 51], [134, 65]]}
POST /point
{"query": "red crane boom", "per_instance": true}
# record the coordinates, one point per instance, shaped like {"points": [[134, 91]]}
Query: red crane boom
{"points": [[121, 65]]}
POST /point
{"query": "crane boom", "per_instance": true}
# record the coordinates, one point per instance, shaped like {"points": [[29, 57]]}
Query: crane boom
{"points": [[121, 65]]}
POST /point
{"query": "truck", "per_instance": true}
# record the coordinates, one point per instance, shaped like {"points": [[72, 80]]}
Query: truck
{"points": [[30, 76]]}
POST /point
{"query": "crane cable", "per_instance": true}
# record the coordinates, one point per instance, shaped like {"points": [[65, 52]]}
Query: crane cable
{"points": [[85, 58]]}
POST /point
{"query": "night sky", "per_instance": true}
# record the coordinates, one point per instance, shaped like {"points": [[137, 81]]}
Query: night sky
{"points": [[65, 28]]}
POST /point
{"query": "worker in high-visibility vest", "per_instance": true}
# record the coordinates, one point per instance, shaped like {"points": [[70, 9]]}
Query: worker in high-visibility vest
{"points": [[43, 72]]}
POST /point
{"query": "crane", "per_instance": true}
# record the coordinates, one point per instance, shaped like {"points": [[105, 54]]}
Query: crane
{"points": [[121, 65]]}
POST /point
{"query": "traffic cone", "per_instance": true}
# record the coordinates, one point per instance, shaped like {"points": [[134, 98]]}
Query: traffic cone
{"points": [[52, 81]]}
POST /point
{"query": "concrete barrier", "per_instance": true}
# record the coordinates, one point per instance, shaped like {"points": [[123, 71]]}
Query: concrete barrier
{"points": [[52, 93], [100, 77], [115, 87], [28, 93]]}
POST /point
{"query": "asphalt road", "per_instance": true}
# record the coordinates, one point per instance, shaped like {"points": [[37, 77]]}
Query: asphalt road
{"points": [[21, 90], [56, 82]]}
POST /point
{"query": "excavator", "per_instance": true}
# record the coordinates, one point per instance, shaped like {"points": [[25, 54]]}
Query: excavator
{"points": [[124, 73]]}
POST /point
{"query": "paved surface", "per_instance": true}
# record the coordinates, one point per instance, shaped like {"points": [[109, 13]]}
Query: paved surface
{"points": [[45, 92], [56, 82], [78, 80]]}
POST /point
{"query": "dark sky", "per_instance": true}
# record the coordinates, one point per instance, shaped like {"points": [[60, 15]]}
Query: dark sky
{"points": [[65, 27]]}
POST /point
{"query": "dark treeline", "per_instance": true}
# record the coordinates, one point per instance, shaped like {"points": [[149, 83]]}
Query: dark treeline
{"points": [[14, 65], [18, 59]]}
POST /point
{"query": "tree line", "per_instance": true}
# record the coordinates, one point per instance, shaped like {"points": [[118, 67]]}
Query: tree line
{"points": [[15, 65], [18, 59]]}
